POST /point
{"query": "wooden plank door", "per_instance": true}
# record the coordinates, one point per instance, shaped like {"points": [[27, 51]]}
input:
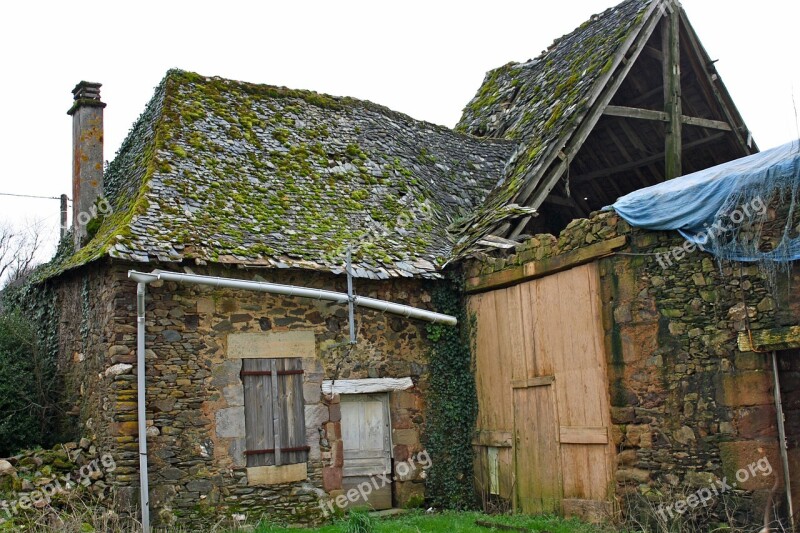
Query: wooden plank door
{"points": [[536, 447], [366, 437]]}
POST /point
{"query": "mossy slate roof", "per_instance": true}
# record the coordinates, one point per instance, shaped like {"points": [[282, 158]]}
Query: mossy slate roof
{"points": [[540, 103], [224, 171], [217, 170]]}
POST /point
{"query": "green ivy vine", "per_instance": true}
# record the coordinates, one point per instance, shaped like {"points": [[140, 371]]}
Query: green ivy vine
{"points": [[452, 402]]}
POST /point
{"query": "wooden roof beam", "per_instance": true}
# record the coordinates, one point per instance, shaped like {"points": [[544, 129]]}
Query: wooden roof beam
{"points": [[644, 161], [661, 116], [673, 105]]}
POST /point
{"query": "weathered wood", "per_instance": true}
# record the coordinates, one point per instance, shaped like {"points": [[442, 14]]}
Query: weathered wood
{"points": [[367, 385], [660, 116], [644, 161], [706, 123], [544, 267], [498, 439], [537, 455], [672, 93], [258, 413], [583, 435], [635, 112], [540, 381], [276, 409], [767, 340]]}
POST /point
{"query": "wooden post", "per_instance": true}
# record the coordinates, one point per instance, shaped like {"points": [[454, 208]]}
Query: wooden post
{"points": [[63, 215], [670, 48]]}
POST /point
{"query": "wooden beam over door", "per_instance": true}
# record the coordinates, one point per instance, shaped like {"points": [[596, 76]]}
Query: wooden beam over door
{"points": [[672, 93]]}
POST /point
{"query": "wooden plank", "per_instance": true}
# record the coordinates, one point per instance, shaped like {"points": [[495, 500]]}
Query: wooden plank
{"points": [[259, 430], [706, 123], [635, 112], [649, 114], [365, 386], [673, 105], [536, 451], [583, 435], [498, 439], [768, 340], [545, 267], [276, 408], [540, 381]]}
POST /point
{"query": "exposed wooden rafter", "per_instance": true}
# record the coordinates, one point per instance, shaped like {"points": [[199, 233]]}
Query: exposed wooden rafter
{"points": [[649, 114], [644, 161], [673, 106]]}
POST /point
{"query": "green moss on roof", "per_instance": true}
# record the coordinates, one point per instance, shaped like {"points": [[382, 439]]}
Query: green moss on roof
{"points": [[220, 170], [539, 104]]}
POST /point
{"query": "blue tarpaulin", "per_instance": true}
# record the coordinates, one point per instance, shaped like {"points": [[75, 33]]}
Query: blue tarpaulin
{"points": [[710, 207]]}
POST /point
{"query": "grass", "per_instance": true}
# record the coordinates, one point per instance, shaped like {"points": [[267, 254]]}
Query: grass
{"points": [[451, 522]]}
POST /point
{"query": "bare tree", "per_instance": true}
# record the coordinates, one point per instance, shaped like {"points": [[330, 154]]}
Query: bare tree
{"points": [[18, 251]]}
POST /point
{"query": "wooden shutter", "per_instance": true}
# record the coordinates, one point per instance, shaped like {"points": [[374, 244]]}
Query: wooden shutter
{"points": [[274, 414]]}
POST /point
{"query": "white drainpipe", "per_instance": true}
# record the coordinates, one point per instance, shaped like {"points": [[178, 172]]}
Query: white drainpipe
{"points": [[143, 278]]}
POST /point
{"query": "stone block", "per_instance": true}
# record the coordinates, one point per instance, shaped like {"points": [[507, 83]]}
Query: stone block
{"points": [[636, 475], [331, 478], [756, 421], [316, 415], [205, 306], [408, 437], [744, 388], [311, 392], [234, 394], [751, 464], [276, 475], [230, 422]]}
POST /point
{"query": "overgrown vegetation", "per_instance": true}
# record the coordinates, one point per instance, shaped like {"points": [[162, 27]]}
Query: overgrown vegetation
{"points": [[452, 404]]}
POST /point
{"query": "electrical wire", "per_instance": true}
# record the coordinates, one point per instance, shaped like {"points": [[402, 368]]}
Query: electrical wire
{"points": [[31, 196]]}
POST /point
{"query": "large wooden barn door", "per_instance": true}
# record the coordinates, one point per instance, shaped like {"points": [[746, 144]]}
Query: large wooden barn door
{"points": [[571, 336], [541, 374]]}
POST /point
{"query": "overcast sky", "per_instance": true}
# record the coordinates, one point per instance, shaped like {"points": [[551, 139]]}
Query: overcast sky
{"points": [[425, 59]]}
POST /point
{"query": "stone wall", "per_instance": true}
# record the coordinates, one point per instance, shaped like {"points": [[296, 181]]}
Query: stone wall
{"points": [[94, 359], [688, 408], [196, 428]]}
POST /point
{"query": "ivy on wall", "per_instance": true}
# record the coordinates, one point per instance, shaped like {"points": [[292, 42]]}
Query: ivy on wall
{"points": [[452, 403], [30, 388]]}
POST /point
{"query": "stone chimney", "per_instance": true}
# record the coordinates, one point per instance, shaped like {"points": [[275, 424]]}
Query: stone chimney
{"points": [[87, 156]]}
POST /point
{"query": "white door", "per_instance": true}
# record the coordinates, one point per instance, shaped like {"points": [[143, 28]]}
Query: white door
{"points": [[366, 437]]}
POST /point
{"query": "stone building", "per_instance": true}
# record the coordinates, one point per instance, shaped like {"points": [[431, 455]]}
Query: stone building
{"points": [[254, 182]]}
